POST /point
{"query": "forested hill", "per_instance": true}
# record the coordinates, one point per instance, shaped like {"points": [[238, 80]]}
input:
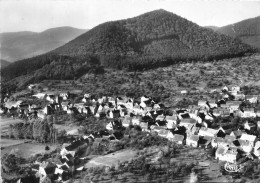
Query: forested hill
{"points": [[157, 38], [155, 33], [247, 30], [20, 45]]}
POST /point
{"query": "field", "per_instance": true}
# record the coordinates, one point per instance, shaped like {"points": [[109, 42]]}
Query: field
{"points": [[111, 159], [5, 122], [10, 142], [27, 150]]}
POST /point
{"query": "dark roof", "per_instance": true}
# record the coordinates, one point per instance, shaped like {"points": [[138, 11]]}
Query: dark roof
{"points": [[30, 179], [73, 145], [50, 170], [69, 156], [64, 167]]}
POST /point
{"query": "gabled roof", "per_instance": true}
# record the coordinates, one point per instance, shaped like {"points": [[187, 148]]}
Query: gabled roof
{"points": [[177, 137], [171, 117], [188, 120], [163, 132], [248, 137], [193, 137]]}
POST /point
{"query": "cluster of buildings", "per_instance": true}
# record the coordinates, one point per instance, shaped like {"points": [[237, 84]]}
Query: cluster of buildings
{"points": [[190, 126]]}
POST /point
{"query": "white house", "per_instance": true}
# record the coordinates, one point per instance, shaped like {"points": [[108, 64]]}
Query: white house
{"points": [[160, 118], [202, 103], [177, 138], [248, 113], [252, 98], [250, 138], [227, 154], [208, 132], [110, 126], [192, 140], [245, 145]]}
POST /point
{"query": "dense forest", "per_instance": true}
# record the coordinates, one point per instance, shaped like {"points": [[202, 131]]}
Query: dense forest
{"points": [[154, 39]]}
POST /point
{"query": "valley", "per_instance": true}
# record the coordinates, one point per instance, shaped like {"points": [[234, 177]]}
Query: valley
{"points": [[153, 98]]}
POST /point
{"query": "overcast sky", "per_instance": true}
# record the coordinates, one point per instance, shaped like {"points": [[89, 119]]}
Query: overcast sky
{"points": [[39, 15]]}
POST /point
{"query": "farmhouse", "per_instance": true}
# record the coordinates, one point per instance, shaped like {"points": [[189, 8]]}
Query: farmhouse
{"points": [[226, 154], [192, 140]]}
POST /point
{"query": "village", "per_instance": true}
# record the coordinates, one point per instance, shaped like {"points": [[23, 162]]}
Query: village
{"points": [[209, 124]]}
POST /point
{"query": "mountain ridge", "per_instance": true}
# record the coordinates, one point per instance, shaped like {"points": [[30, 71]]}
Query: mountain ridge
{"points": [[25, 44], [248, 31], [154, 39]]}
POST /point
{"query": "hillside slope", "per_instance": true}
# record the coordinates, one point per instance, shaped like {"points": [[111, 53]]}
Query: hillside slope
{"points": [[247, 30], [19, 45], [3, 63], [155, 39]]}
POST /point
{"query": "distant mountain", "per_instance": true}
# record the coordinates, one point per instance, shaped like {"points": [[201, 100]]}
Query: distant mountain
{"points": [[247, 30], [214, 28], [154, 39], [20, 45], [3, 63]]}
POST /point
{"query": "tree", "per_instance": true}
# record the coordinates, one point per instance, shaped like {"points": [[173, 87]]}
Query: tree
{"points": [[10, 163]]}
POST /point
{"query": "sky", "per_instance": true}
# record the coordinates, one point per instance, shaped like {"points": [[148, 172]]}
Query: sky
{"points": [[39, 15]]}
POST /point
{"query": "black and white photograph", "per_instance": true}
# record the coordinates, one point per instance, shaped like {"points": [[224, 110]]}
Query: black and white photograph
{"points": [[130, 91]]}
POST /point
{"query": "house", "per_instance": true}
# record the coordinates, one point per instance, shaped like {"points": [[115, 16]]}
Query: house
{"points": [[112, 100], [184, 92], [235, 89], [192, 140], [136, 120], [186, 122], [227, 142], [257, 149], [257, 112], [245, 145], [27, 179], [160, 118], [250, 138], [202, 103], [126, 121], [46, 168], [248, 113], [208, 132], [249, 126], [237, 134], [217, 112], [145, 98], [13, 104], [251, 98], [228, 154], [45, 179], [155, 128], [41, 115], [171, 119], [239, 97], [144, 126], [233, 105], [225, 88], [205, 141], [137, 109], [163, 133], [50, 98], [225, 112], [176, 138], [110, 126], [40, 95], [212, 104]]}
